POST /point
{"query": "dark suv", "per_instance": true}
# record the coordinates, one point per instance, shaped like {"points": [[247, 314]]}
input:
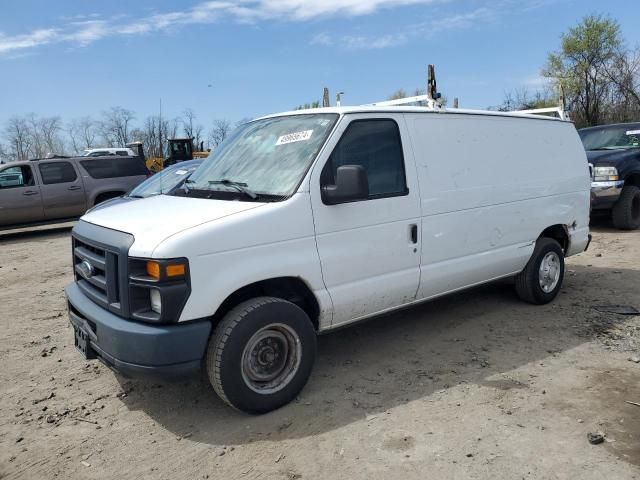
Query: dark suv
{"points": [[53, 190], [614, 158]]}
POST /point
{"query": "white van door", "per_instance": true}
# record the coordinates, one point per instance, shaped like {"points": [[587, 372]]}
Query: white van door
{"points": [[369, 249]]}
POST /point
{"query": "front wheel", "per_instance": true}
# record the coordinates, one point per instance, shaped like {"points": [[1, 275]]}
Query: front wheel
{"points": [[626, 211], [541, 279], [261, 354]]}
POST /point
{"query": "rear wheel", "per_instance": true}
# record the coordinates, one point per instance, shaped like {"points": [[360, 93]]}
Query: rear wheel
{"points": [[626, 211], [261, 354], [541, 279]]}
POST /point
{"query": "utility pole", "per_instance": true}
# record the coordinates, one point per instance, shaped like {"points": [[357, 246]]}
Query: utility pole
{"points": [[325, 98]]}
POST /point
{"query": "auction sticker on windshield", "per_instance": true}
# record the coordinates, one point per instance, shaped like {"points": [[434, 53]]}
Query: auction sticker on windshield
{"points": [[633, 132], [294, 137]]}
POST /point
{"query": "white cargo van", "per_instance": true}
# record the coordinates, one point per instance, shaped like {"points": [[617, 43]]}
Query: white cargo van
{"points": [[306, 221]]}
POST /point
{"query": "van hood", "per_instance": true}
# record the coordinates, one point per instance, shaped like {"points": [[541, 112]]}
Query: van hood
{"points": [[152, 220]]}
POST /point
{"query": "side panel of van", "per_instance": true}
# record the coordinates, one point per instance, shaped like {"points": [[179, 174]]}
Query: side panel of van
{"points": [[489, 186]]}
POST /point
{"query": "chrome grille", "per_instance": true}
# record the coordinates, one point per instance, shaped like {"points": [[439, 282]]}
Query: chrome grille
{"points": [[100, 281]]}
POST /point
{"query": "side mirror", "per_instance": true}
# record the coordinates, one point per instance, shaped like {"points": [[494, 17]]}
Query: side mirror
{"points": [[351, 184]]}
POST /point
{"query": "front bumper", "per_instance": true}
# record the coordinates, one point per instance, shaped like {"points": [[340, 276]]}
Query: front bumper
{"points": [[605, 194], [136, 349]]}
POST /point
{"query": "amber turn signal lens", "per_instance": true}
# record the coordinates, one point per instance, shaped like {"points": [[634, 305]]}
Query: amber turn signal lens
{"points": [[153, 270], [175, 270]]}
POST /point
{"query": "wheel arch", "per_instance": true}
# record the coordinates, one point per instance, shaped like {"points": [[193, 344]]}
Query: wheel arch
{"points": [[632, 178], [559, 233], [106, 194], [292, 289]]}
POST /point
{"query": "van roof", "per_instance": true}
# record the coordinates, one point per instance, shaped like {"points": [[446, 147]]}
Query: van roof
{"points": [[409, 109]]}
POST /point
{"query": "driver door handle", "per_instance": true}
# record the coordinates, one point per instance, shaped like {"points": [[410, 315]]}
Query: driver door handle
{"points": [[30, 192], [414, 233], [74, 187]]}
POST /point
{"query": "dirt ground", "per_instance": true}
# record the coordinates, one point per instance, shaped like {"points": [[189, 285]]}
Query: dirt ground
{"points": [[477, 385]]}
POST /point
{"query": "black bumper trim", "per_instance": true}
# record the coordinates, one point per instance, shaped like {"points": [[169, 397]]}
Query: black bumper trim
{"points": [[135, 349]]}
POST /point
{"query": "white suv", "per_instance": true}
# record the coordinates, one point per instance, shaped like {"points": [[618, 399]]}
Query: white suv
{"points": [[106, 151], [306, 221]]}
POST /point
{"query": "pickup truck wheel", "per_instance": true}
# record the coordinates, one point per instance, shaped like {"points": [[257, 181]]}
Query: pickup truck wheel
{"points": [[626, 211], [261, 354], [541, 279]]}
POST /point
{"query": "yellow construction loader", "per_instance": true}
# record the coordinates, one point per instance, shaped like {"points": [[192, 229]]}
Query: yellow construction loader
{"points": [[178, 150]]}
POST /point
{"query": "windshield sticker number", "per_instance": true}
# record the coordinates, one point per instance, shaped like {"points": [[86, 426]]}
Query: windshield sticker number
{"points": [[294, 137], [633, 132], [181, 172]]}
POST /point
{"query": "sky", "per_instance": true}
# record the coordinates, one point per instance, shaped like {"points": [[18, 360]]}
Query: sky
{"points": [[245, 58]]}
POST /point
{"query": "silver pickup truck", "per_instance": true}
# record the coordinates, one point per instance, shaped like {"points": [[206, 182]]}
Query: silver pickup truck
{"points": [[53, 190]]}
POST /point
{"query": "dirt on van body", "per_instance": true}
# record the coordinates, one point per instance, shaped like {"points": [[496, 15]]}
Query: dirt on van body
{"points": [[476, 385]]}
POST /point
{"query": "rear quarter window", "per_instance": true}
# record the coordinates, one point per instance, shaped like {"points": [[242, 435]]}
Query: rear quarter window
{"points": [[114, 167]]}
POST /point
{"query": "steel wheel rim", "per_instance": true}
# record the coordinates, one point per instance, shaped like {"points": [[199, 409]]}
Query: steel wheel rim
{"points": [[271, 358], [549, 272]]}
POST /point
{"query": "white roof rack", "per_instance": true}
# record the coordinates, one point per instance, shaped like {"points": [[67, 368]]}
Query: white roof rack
{"points": [[431, 103], [562, 113]]}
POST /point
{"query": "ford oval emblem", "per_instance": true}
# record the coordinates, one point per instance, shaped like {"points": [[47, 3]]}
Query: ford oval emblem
{"points": [[86, 269]]}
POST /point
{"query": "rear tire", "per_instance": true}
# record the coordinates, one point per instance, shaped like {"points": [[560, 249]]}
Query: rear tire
{"points": [[626, 211], [261, 354], [541, 279]]}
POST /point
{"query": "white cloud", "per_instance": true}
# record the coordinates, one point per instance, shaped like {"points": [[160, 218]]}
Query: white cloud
{"points": [[323, 39], [417, 30], [29, 40], [82, 30]]}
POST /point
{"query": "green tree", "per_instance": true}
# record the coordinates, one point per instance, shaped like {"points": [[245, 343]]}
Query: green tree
{"points": [[307, 106], [586, 54]]}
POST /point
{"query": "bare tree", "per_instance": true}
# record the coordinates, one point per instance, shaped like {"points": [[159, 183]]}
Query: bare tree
{"points": [[17, 134], [198, 132], [219, 132], [5, 156], [116, 125], [188, 118], [50, 131], [523, 99], [38, 148], [82, 133]]}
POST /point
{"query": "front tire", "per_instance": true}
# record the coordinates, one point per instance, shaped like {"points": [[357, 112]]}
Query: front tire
{"points": [[541, 279], [626, 211], [261, 354]]}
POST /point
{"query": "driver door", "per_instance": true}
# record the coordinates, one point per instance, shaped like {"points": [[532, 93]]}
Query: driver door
{"points": [[20, 197], [369, 249]]}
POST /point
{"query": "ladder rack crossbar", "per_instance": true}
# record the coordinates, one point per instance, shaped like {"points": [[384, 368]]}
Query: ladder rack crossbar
{"points": [[403, 101], [562, 114]]}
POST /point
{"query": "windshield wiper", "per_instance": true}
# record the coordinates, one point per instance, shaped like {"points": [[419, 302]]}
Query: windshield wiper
{"points": [[185, 186], [240, 186]]}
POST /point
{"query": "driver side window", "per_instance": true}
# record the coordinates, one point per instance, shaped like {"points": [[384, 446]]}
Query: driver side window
{"points": [[14, 177], [375, 145]]}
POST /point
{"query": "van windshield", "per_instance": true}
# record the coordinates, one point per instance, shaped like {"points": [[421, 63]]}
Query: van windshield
{"points": [[264, 158]]}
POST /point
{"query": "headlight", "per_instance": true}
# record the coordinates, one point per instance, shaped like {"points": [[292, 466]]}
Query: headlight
{"points": [[605, 174], [158, 288]]}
